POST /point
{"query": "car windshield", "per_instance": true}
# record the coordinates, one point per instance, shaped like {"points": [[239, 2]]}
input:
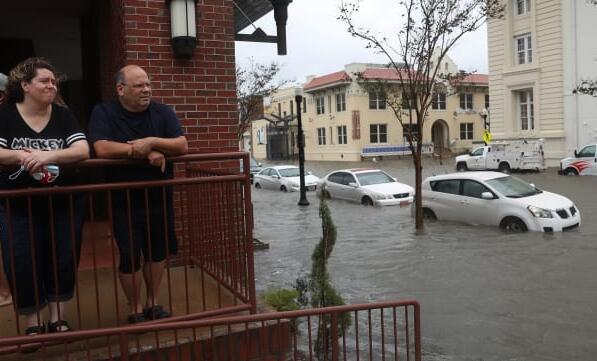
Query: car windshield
{"points": [[367, 179], [513, 187], [289, 172]]}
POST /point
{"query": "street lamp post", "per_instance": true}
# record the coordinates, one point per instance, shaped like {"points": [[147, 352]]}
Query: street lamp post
{"points": [[301, 148]]}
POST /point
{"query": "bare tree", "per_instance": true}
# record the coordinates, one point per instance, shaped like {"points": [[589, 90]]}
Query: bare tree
{"points": [[253, 83], [426, 31]]}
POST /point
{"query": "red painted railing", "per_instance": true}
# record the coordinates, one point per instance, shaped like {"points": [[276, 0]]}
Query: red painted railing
{"points": [[377, 331], [212, 274]]}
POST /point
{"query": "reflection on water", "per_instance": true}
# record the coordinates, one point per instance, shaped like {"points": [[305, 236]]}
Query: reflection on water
{"points": [[485, 295]]}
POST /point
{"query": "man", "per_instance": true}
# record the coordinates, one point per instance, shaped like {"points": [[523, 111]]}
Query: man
{"points": [[135, 127]]}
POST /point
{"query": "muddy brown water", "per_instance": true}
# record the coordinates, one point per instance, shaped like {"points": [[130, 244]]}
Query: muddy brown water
{"points": [[485, 295]]}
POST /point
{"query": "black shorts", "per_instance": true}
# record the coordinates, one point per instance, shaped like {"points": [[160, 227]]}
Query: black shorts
{"points": [[143, 225]]}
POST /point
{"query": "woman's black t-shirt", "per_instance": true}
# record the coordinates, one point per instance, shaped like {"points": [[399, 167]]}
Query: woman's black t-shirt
{"points": [[61, 131]]}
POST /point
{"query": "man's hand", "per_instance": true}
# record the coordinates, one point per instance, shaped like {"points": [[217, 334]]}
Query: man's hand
{"points": [[141, 147], [157, 159]]}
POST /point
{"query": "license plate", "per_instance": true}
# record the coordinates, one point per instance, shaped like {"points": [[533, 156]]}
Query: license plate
{"points": [[311, 188]]}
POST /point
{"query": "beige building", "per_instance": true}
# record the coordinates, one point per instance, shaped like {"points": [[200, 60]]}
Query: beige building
{"points": [[274, 136], [538, 53], [345, 121]]}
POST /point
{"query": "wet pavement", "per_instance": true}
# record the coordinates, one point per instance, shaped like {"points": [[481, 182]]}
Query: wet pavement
{"points": [[485, 295]]}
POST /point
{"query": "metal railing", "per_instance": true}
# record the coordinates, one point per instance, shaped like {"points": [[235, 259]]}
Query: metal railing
{"points": [[377, 331], [212, 274]]}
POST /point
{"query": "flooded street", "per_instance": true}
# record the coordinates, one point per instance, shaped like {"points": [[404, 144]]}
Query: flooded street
{"points": [[484, 294]]}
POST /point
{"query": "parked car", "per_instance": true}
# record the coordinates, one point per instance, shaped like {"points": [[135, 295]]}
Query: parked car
{"points": [[366, 186], [583, 162], [496, 199], [255, 167], [285, 178]]}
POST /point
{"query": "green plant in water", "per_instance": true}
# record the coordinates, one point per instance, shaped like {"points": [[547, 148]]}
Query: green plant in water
{"points": [[282, 299], [323, 293]]}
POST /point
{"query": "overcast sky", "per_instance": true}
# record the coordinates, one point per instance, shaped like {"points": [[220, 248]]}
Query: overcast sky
{"points": [[319, 44]]}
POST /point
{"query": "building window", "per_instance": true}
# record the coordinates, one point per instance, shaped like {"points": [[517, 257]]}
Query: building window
{"points": [[340, 102], [408, 130], [438, 101], [466, 131], [466, 101], [524, 49], [526, 112], [320, 104], [291, 108], [486, 101], [330, 103], [280, 110], [321, 136], [378, 133], [342, 136], [523, 7], [377, 100], [304, 105]]}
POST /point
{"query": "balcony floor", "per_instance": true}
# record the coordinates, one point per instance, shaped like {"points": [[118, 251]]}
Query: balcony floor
{"points": [[99, 301]]}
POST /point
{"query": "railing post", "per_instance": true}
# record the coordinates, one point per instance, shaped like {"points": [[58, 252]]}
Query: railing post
{"points": [[124, 346], [417, 307], [334, 336]]}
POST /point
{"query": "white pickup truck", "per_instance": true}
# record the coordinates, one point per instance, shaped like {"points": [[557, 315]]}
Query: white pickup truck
{"points": [[504, 156], [583, 162]]}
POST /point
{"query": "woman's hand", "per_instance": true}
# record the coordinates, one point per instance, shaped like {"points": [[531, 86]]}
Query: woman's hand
{"points": [[34, 160]]}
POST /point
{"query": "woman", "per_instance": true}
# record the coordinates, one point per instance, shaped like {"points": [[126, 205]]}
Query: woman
{"points": [[41, 234]]}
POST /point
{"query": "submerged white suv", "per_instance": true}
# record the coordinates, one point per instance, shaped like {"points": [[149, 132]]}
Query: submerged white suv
{"points": [[497, 199]]}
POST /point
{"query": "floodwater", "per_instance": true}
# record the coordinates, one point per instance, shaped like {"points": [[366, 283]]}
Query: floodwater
{"points": [[484, 294]]}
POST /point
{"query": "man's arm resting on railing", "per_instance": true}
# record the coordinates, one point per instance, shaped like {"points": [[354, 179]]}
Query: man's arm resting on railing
{"points": [[112, 150], [166, 146]]}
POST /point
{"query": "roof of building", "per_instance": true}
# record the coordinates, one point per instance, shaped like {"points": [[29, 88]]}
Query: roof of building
{"points": [[383, 74], [338, 77], [478, 79]]}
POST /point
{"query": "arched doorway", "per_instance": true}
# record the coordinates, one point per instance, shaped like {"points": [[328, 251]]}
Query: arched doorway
{"points": [[440, 136]]}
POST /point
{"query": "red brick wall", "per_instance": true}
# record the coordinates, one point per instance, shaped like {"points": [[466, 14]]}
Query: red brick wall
{"points": [[202, 90], [111, 42]]}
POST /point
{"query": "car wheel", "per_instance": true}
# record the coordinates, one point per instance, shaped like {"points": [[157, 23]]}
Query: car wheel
{"points": [[570, 171], [325, 194], [513, 225], [461, 167], [428, 215], [504, 167], [257, 185], [366, 201], [283, 188]]}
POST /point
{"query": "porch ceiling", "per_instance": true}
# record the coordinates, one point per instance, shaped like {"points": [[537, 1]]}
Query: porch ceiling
{"points": [[253, 9]]}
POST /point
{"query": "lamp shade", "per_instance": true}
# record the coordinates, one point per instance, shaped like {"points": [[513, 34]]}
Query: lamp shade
{"points": [[183, 27]]}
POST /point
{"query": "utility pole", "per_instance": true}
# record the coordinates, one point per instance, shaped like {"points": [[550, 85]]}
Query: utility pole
{"points": [[301, 148]]}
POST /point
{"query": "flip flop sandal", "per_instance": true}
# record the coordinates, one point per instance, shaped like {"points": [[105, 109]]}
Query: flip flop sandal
{"points": [[155, 313], [32, 331], [59, 326]]}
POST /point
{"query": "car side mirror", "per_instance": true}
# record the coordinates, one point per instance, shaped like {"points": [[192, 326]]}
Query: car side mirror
{"points": [[309, 172], [575, 154], [353, 184], [395, 179], [258, 164], [532, 185], [487, 195], [276, 176]]}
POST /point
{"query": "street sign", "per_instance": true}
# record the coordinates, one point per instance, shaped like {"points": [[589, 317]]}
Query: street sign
{"points": [[486, 136]]}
